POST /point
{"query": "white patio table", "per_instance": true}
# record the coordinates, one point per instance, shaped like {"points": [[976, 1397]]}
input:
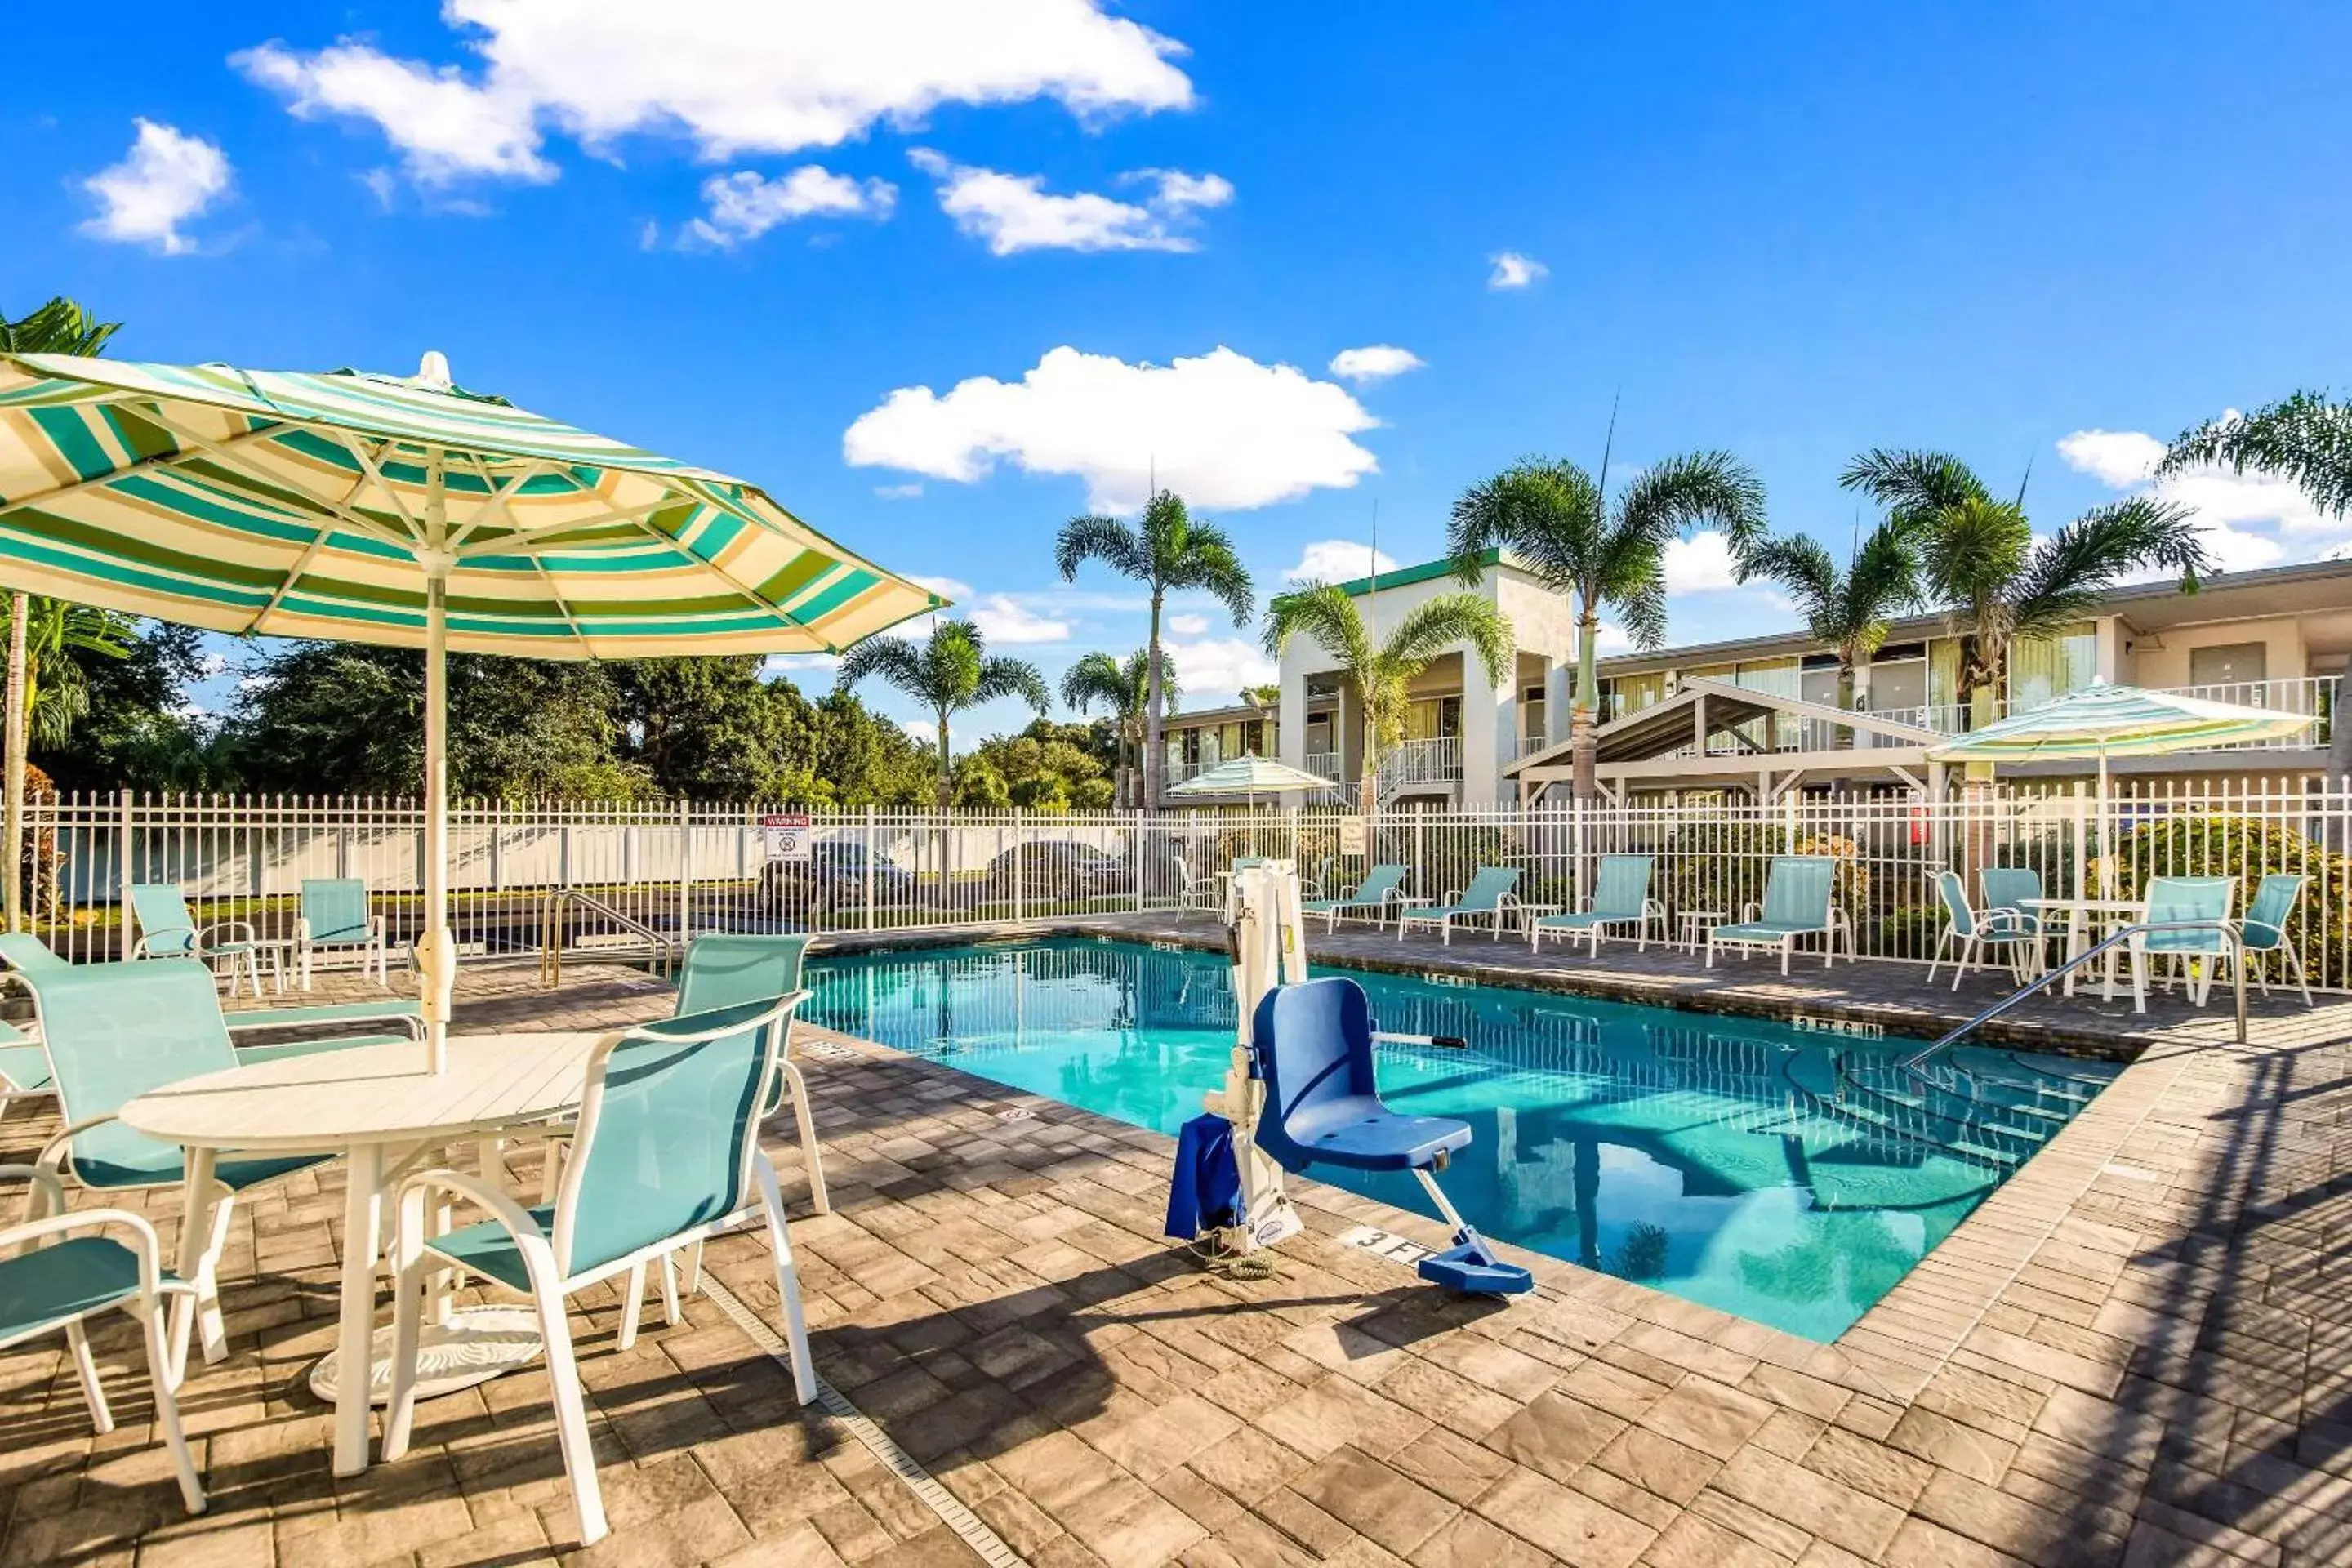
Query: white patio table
{"points": [[381, 1107], [2078, 913]]}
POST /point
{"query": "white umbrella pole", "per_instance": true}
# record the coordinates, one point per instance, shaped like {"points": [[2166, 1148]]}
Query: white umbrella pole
{"points": [[2106, 830], [437, 954], [19, 604]]}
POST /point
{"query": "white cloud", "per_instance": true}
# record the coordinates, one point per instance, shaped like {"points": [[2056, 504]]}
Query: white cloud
{"points": [[1700, 564], [1513, 270], [790, 664], [899, 492], [746, 204], [1338, 560], [1187, 625], [1002, 618], [1015, 213], [1609, 638], [211, 665], [1222, 429], [1377, 362], [2225, 503], [734, 75], [1214, 670], [947, 588], [166, 178], [922, 729]]}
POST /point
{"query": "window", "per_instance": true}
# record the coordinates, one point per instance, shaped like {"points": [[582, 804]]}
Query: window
{"points": [[2040, 668], [1632, 693], [2227, 664]]}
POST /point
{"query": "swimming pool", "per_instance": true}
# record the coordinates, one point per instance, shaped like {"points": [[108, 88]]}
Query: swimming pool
{"points": [[1789, 1177]]}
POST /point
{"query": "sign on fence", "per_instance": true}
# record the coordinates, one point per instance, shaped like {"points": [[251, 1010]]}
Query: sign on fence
{"points": [[786, 836], [1355, 838]]}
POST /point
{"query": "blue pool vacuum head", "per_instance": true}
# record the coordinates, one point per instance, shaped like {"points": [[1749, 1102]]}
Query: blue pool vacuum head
{"points": [[1471, 1267]]}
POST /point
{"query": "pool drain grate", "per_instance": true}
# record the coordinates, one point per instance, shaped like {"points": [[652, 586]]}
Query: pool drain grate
{"points": [[969, 1526]]}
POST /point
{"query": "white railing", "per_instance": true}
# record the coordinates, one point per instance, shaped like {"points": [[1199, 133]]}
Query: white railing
{"points": [[1324, 764], [685, 869], [1530, 744], [2314, 695], [1411, 762]]}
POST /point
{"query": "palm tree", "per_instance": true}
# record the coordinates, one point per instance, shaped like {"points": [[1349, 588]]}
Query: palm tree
{"points": [[949, 674], [2302, 436], [1979, 562], [1165, 550], [57, 693], [1846, 611], [1382, 675], [59, 327], [1118, 687], [1560, 527]]}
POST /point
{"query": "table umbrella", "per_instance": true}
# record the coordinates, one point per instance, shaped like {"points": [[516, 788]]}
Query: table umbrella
{"points": [[1248, 775], [2102, 720], [402, 511]]}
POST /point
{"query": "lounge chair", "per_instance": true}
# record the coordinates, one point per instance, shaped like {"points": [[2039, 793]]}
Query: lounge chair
{"points": [[24, 1066], [1489, 897], [1383, 886], [335, 918], [2208, 899], [668, 1155], [1620, 896], [1798, 901], [166, 929], [112, 1032], [55, 1274], [2263, 931], [1972, 932]]}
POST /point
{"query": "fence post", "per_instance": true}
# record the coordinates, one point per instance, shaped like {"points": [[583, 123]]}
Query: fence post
{"points": [[1142, 860], [684, 875], [1578, 845], [867, 860], [1020, 857], [122, 908]]}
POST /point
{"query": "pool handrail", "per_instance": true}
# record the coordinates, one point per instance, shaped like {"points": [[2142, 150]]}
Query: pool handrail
{"points": [[2230, 936]]}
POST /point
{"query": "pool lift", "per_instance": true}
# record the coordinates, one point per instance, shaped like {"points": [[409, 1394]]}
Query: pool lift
{"points": [[1300, 1090]]}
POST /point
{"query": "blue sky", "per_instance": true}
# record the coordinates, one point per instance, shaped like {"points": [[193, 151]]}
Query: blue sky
{"points": [[2026, 233]]}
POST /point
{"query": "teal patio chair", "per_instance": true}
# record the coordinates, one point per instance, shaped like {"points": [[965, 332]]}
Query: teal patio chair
{"points": [[1798, 900], [729, 971], [1491, 896], [2014, 889], [2263, 931], [335, 918], [668, 1155], [24, 1066], [114, 1031], [1973, 930], [52, 1278], [2209, 900], [1381, 887], [166, 929], [1620, 896]]}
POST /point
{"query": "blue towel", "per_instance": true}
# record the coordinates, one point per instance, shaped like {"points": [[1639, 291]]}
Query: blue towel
{"points": [[1204, 1192]]}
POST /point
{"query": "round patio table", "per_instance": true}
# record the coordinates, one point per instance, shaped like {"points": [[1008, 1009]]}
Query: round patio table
{"points": [[2078, 913], [379, 1107]]}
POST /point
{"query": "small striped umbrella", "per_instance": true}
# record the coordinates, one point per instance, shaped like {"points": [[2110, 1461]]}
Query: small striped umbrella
{"points": [[2102, 720], [1249, 775], [408, 511]]}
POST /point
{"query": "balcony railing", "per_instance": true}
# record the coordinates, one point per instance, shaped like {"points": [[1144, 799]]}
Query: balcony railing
{"points": [[1419, 762], [1323, 764], [1530, 745]]}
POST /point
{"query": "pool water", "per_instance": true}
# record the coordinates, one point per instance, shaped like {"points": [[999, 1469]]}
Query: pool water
{"points": [[1789, 1177]]}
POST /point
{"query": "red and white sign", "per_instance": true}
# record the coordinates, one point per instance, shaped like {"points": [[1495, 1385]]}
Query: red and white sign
{"points": [[786, 836]]}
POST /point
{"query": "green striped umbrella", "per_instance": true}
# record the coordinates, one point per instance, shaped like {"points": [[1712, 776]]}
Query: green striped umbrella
{"points": [[405, 510], [1249, 775], [2102, 720]]}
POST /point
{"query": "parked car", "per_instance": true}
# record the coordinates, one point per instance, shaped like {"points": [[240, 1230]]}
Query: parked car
{"points": [[1060, 868], [834, 876]]}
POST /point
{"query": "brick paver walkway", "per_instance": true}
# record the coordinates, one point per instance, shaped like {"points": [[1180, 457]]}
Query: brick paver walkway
{"points": [[2139, 1350]]}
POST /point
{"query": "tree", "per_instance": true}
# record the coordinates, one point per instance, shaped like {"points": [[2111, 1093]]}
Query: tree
{"points": [[1381, 676], [1046, 768], [1166, 550], [55, 686], [1560, 526], [949, 674], [1979, 562], [1267, 696], [1846, 611], [140, 731], [1121, 687]]}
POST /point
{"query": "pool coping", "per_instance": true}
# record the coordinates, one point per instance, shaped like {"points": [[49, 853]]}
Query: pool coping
{"points": [[1935, 1315]]}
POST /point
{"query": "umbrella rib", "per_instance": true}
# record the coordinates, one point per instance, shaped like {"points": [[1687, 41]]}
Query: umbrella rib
{"points": [[237, 459], [496, 500], [368, 463], [521, 537], [556, 593], [160, 460], [760, 601], [301, 566]]}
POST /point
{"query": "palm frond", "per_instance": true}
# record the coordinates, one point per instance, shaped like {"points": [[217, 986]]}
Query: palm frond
{"points": [[1913, 484], [59, 327], [1697, 489], [1094, 537], [1324, 613], [1205, 559], [2065, 576], [1548, 514], [1096, 679], [1002, 677], [1798, 563], [1971, 550], [2302, 436], [1440, 621], [896, 662]]}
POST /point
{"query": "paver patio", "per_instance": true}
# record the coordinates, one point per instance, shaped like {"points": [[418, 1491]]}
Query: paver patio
{"points": [[2139, 1350]]}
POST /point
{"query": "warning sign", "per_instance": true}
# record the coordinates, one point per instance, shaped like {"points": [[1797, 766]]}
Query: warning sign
{"points": [[1353, 838], [786, 837]]}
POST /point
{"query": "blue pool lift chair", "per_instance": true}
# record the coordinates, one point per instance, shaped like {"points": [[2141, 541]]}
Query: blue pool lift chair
{"points": [[60, 1269], [1620, 897], [1313, 1047], [666, 1155]]}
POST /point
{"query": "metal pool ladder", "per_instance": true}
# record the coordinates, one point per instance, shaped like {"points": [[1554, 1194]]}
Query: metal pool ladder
{"points": [[664, 949], [2228, 929]]}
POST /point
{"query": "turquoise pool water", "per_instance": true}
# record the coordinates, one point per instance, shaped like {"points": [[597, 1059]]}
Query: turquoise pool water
{"points": [[1789, 1177]]}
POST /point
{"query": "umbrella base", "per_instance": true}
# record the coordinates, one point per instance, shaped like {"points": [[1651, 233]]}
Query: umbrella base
{"points": [[475, 1345]]}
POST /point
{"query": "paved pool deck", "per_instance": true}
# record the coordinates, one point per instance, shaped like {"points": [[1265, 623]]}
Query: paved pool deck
{"points": [[2139, 1351]]}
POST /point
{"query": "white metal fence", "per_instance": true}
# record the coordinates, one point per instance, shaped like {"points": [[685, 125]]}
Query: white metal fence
{"points": [[637, 877]]}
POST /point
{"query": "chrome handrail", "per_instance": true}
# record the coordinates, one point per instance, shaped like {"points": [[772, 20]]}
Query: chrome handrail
{"points": [[2229, 933], [550, 935]]}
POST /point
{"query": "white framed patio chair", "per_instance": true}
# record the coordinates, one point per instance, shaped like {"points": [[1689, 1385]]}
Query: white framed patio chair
{"points": [[1971, 932], [2263, 931], [2208, 899], [1800, 899], [60, 1269], [335, 920], [1620, 897], [166, 929], [1197, 892], [1491, 896], [665, 1155]]}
